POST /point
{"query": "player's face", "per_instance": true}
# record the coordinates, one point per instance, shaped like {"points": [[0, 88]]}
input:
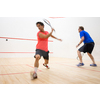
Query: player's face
{"points": [[40, 27], [79, 30]]}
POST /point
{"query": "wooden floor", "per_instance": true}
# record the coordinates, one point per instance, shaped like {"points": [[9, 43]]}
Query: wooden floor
{"points": [[62, 71]]}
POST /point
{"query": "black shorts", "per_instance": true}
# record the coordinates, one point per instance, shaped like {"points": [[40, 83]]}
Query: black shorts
{"points": [[87, 47], [42, 53]]}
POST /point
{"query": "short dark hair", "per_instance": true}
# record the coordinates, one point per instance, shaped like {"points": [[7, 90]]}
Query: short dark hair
{"points": [[81, 27], [40, 23]]}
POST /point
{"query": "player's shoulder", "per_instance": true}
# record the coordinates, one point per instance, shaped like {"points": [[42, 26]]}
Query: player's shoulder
{"points": [[83, 32], [42, 32], [38, 33]]}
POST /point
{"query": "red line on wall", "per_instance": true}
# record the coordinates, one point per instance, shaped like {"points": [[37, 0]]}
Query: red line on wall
{"points": [[17, 52], [56, 17], [22, 52], [22, 39]]}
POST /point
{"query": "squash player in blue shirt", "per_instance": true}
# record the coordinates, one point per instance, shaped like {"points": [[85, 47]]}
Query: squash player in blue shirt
{"points": [[87, 47]]}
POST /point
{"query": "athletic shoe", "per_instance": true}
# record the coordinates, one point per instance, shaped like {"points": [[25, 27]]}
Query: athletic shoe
{"points": [[94, 65], [33, 75], [46, 66], [80, 64]]}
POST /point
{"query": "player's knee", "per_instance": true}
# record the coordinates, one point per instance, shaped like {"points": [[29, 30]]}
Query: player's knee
{"points": [[88, 53], [37, 57], [78, 51]]}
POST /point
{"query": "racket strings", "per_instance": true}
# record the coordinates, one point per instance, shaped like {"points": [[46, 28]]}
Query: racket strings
{"points": [[48, 23]]}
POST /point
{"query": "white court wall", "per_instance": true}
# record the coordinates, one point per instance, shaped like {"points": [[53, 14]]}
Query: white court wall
{"points": [[66, 29], [19, 27]]}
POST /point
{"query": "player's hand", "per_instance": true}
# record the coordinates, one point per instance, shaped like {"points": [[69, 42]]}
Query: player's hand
{"points": [[77, 45], [52, 30], [59, 40]]}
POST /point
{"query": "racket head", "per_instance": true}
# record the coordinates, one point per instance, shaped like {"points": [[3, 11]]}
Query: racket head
{"points": [[47, 22]]}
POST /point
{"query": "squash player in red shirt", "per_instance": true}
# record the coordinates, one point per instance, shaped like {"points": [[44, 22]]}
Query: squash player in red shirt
{"points": [[42, 48]]}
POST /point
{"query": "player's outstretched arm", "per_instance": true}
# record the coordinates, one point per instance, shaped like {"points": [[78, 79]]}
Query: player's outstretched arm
{"points": [[56, 38], [46, 36]]}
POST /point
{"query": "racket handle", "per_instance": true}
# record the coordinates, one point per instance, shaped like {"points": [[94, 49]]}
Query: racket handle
{"points": [[53, 28]]}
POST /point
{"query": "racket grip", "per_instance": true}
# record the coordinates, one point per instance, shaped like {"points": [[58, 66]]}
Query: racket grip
{"points": [[52, 28]]}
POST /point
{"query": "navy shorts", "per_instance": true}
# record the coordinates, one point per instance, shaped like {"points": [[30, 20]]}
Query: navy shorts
{"points": [[42, 53], [87, 47]]}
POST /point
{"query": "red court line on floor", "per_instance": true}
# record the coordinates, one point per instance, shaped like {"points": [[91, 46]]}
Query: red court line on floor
{"points": [[17, 65], [20, 65], [13, 65], [22, 39], [20, 72], [79, 67], [15, 73], [22, 52]]}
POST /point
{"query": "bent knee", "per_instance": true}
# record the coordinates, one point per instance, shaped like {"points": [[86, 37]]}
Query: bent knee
{"points": [[88, 53], [78, 51], [37, 57]]}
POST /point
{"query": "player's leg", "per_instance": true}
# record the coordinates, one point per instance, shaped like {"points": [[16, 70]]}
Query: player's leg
{"points": [[89, 51], [80, 56], [36, 63], [33, 73], [92, 58], [37, 57], [82, 49], [46, 59]]}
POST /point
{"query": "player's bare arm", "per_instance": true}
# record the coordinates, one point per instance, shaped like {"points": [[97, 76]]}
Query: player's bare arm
{"points": [[82, 39], [56, 38], [46, 36]]}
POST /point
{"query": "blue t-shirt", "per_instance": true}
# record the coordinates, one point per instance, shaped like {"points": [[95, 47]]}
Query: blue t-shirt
{"points": [[87, 37]]}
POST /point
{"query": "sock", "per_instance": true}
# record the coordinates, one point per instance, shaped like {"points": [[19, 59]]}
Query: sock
{"points": [[35, 69]]}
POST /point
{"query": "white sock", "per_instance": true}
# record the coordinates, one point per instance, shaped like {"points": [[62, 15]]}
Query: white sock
{"points": [[35, 69]]}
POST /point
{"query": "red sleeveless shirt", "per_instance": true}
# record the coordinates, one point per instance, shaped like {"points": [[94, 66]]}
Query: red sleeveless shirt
{"points": [[42, 43]]}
